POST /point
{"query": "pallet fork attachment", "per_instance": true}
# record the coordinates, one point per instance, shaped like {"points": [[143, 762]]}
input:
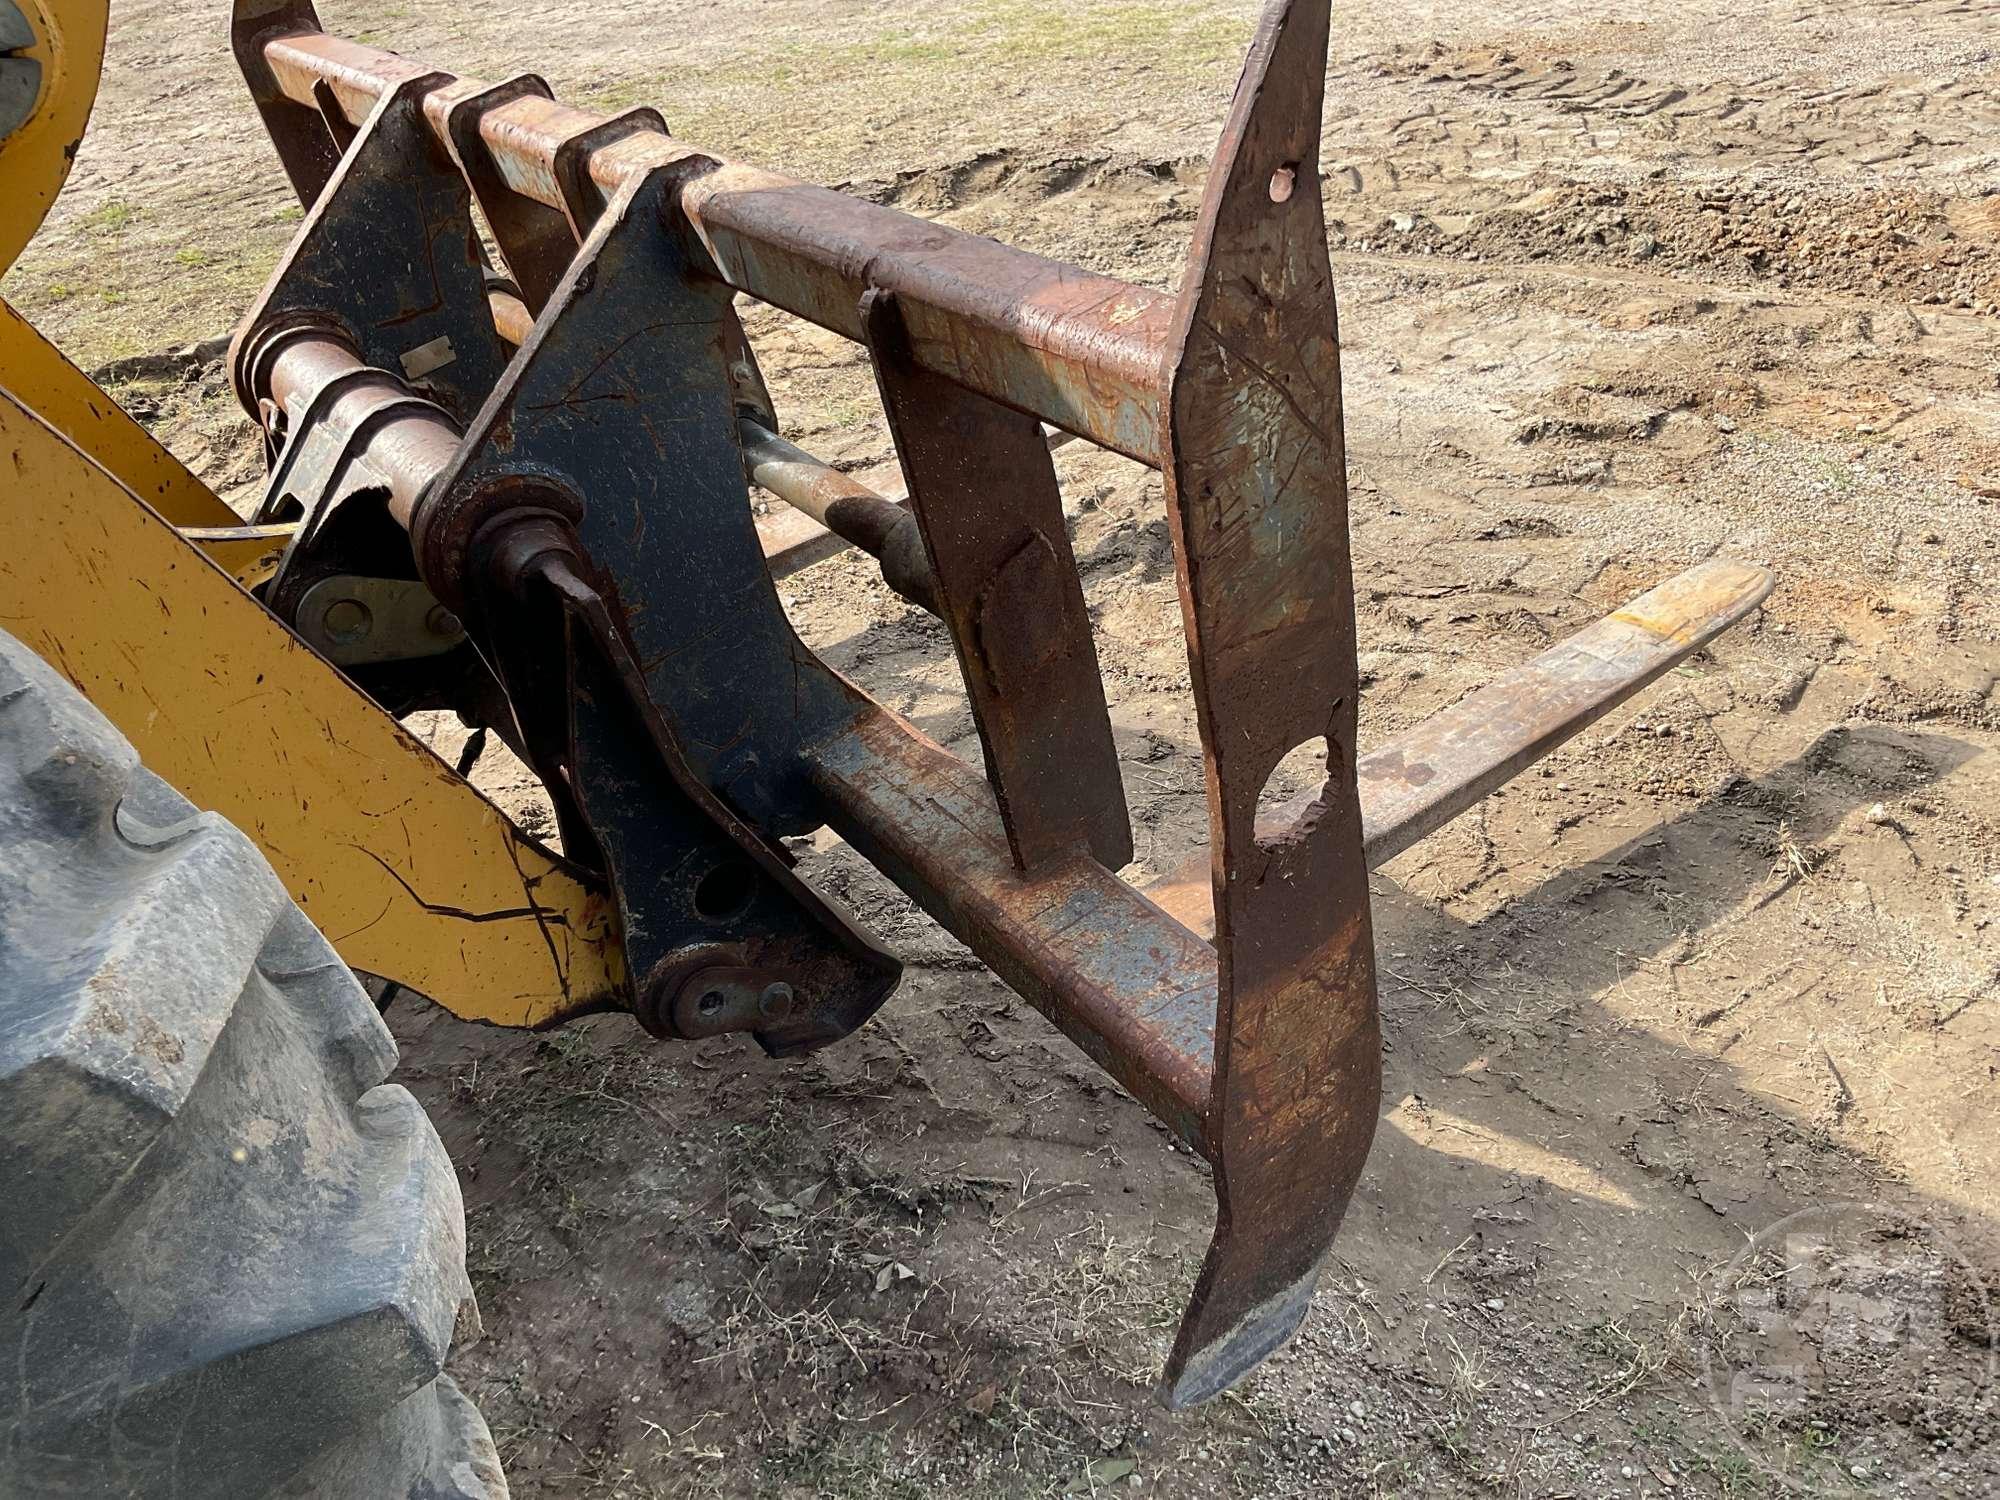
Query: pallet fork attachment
{"points": [[516, 483]]}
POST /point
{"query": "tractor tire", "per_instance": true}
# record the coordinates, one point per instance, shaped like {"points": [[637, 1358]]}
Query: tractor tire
{"points": [[234, 1258]]}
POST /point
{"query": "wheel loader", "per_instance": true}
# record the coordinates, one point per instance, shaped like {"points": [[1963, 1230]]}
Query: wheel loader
{"points": [[513, 425]]}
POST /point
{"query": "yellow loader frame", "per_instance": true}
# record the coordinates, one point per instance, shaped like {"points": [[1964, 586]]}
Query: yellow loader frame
{"points": [[129, 576]]}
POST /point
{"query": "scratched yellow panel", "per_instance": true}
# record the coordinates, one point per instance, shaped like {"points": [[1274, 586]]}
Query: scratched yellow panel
{"points": [[408, 871], [71, 402]]}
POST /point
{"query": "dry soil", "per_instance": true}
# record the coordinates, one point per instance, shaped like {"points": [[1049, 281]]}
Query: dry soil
{"points": [[1622, 288]]}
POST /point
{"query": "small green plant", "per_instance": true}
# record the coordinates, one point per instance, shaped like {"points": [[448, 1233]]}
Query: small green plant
{"points": [[109, 218]]}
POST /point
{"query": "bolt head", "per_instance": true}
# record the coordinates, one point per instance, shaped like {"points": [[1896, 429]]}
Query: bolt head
{"points": [[346, 621], [776, 1003]]}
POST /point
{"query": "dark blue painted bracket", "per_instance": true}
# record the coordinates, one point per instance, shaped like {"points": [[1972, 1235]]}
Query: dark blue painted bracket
{"points": [[604, 475], [388, 256]]}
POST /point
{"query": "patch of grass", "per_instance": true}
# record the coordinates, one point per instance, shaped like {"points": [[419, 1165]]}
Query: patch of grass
{"points": [[1091, 1294], [1795, 1454], [1837, 473], [1735, 1475], [624, 93], [1636, 1359], [1003, 33], [808, 1213], [108, 218], [843, 1462], [1013, 34], [841, 414], [558, 1110], [1468, 1377], [1738, 1476]]}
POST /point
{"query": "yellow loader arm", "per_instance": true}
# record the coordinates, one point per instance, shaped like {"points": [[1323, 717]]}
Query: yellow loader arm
{"points": [[410, 872]]}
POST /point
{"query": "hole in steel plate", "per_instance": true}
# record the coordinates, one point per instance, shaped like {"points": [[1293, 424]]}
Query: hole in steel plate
{"points": [[1294, 793], [724, 892], [710, 1002], [1283, 181], [1302, 771]]}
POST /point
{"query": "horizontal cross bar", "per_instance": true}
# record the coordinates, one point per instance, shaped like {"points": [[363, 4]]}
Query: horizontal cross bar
{"points": [[1078, 350], [1123, 980]]}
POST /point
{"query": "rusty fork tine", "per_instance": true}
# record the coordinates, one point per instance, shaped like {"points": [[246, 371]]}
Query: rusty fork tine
{"points": [[1423, 778], [1257, 500]]}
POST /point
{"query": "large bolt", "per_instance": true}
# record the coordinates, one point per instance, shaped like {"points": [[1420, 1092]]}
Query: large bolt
{"points": [[346, 621], [775, 1004]]}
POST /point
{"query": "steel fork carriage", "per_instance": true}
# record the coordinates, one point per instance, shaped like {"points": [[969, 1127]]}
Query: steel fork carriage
{"points": [[519, 484]]}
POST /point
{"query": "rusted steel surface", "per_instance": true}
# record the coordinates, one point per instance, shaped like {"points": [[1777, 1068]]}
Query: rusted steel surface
{"points": [[342, 129], [797, 538], [592, 528], [534, 239], [1257, 502], [537, 242], [1421, 780], [371, 418], [1124, 981], [582, 201], [829, 509], [359, 443], [307, 147], [618, 412], [1078, 350], [774, 958], [793, 541], [983, 487]]}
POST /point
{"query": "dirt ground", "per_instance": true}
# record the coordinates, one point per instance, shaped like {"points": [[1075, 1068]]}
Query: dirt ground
{"points": [[1623, 287]]}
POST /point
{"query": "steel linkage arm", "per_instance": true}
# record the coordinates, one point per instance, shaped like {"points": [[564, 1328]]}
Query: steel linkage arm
{"points": [[584, 512]]}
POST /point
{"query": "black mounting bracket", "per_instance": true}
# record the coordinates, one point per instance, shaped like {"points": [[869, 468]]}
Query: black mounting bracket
{"points": [[595, 533]]}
